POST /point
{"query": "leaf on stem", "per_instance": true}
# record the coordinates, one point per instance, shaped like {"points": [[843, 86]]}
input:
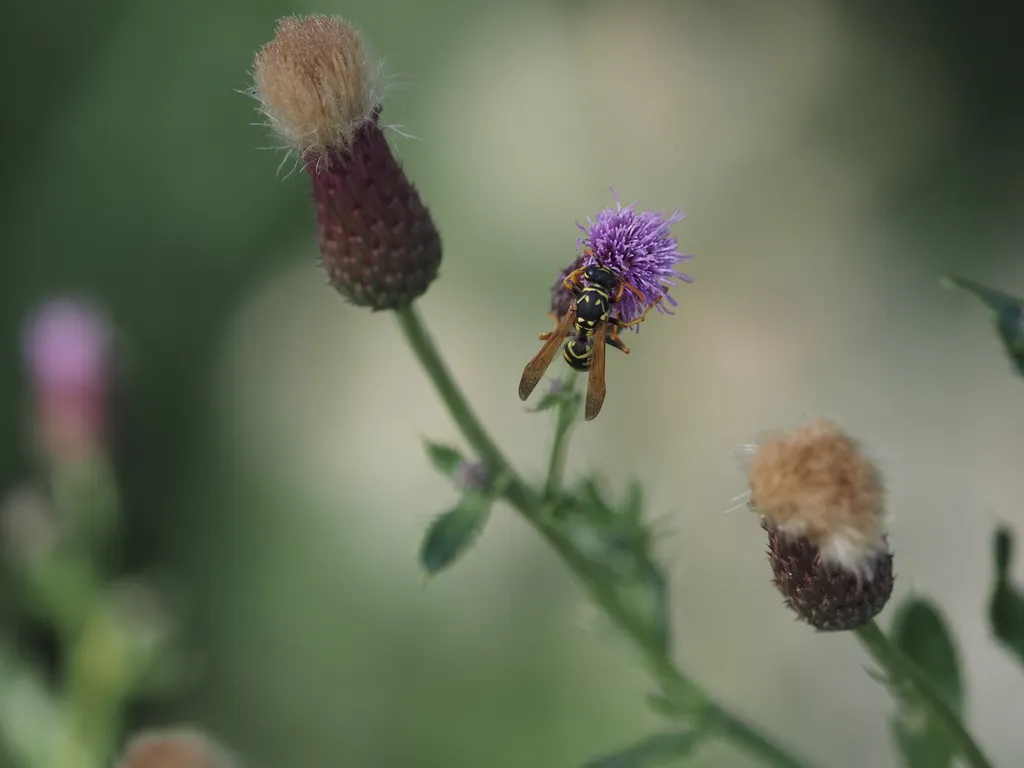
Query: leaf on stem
{"points": [[659, 749], [618, 542], [445, 458], [453, 532], [921, 633], [1006, 605], [559, 396], [1009, 316]]}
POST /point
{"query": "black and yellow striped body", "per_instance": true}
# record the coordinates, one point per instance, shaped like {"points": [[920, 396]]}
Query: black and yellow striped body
{"points": [[593, 307]]}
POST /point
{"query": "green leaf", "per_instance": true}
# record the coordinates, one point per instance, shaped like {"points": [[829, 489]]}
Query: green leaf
{"points": [[1009, 316], [1006, 605], [920, 632], [660, 749], [1003, 551], [444, 458], [453, 532]]}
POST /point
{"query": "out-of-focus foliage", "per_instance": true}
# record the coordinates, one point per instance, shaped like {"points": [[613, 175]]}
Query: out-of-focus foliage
{"points": [[1006, 604]]}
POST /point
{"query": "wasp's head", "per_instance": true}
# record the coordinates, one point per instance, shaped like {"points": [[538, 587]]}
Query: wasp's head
{"points": [[601, 276]]}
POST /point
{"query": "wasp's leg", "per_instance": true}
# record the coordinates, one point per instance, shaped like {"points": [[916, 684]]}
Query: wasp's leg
{"points": [[572, 282], [642, 317], [613, 336]]}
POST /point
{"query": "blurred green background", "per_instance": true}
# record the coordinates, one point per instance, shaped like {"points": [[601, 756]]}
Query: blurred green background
{"points": [[833, 158]]}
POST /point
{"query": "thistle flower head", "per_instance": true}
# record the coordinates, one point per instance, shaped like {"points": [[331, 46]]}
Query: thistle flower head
{"points": [[377, 241], [639, 246], [66, 346], [180, 748], [67, 353], [821, 499], [561, 298]]}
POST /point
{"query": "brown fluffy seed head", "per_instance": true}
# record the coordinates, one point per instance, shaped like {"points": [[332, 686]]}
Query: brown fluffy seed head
{"points": [[316, 83], [181, 748], [817, 483]]}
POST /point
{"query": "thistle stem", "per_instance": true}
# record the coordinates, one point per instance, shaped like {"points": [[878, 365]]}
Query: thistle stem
{"points": [[682, 691], [904, 671], [566, 419]]}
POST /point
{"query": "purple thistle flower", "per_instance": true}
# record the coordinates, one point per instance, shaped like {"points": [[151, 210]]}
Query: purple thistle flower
{"points": [[639, 247], [66, 346]]}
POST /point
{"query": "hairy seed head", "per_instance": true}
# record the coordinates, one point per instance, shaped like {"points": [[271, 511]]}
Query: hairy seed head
{"points": [[816, 482], [181, 748], [315, 83], [821, 500]]}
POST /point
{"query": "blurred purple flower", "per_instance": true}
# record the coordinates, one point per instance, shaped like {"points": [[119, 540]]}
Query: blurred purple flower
{"points": [[640, 248], [66, 345], [67, 353]]}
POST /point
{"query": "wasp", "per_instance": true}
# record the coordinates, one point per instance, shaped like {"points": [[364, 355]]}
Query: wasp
{"points": [[589, 327]]}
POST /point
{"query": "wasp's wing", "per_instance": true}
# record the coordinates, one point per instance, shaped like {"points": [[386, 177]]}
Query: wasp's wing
{"points": [[595, 382], [534, 371]]}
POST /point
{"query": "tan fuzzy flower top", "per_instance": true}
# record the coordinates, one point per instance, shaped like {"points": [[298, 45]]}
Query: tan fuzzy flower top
{"points": [[315, 82], [174, 749], [817, 482]]}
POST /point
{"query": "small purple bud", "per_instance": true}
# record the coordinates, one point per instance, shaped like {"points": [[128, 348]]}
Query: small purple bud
{"points": [[472, 476]]}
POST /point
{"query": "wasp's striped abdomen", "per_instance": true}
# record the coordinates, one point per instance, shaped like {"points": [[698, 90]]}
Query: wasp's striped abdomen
{"points": [[578, 352]]}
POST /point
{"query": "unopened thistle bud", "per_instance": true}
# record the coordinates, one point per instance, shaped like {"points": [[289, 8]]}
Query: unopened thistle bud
{"points": [[318, 89], [821, 500], [67, 353], [182, 748]]}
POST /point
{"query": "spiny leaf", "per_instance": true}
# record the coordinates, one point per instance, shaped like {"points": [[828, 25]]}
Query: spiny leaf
{"points": [[445, 458], [920, 631], [660, 749], [453, 532], [1009, 316], [654, 609], [633, 506], [1006, 605]]}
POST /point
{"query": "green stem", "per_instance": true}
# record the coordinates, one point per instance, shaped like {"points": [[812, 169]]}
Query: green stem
{"points": [[676, 686], [566, 419], [903, 670]]}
